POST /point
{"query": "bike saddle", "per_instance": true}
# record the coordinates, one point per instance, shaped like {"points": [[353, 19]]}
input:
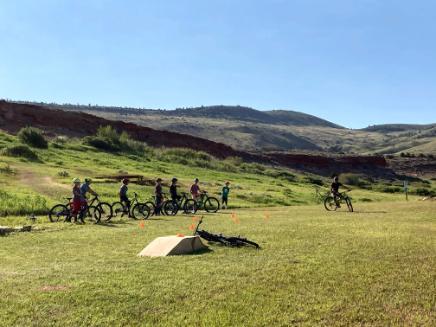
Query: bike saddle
{"points": [[68, 199]]}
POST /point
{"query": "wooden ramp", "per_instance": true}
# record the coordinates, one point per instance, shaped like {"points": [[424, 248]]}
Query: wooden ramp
{"points": [[173, 245]]}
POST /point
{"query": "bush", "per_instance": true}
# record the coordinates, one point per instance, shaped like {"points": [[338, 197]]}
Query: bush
{"points": [[108, 139], [425, 192], [313, 180], [354, 180], [33, 137], [22, 151], [391, 189]]}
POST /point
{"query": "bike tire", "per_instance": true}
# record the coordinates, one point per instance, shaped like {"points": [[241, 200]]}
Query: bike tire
{"points": [[330, 204], [237, 241], [117, 211], [190, 207], [211, 205], [106, 211], [59, 212], [349, 204], [170, 208], [152, 207], [92, 214], [140, 211]]}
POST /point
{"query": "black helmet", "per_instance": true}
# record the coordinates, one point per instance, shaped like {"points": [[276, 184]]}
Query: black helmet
{"points": [[174, 179]]}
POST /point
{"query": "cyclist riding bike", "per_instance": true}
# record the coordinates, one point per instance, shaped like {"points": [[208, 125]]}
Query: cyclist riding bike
{"points": [[334, 188], [195, 190], [124, 199]]}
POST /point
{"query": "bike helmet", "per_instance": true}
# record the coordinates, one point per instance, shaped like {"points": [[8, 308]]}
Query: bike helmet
{"points": [[76, 180], [196, 180], [174, 179], [159, 180], [88, 180], [125, 180]]}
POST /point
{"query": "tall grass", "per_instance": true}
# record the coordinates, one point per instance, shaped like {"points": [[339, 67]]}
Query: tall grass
{"points": [[11, 204]]}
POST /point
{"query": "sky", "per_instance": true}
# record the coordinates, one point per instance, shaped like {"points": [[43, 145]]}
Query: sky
{"points": [[353, 62]]}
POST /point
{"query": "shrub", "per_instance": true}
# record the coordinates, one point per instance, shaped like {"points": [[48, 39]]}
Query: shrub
{"points": [[7, 170], [354, 180], [313, 180], [33, 137], [425, 192], [22, 151], [391, 189], [63, 173], [108, 139]]}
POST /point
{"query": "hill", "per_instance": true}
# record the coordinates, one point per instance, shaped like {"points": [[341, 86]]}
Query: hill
{"points": [[247, 129]]}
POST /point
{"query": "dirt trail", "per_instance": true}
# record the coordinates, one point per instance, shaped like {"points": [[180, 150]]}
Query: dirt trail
{"points": [[44, 185]]}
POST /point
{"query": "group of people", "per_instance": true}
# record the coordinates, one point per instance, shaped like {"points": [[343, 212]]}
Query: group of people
{"points": [[80, 191]]}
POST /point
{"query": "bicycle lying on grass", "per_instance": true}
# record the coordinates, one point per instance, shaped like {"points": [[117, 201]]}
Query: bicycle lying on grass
{"points": [[236, 241], [64, 213], [206, 202], [331, 205], [138, 210]]}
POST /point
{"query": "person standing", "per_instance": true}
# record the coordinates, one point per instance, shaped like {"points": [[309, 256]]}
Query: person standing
{"points": [[124, 199], [195, 190], [225, 195], [173, 191], [158, 192]]}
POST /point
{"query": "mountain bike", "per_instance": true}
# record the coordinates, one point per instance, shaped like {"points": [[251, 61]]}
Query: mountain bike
{"points": [[210, 204], [64, 212], [171, 207], [319, 196], [138, 210], [236, 241], [104, 207], [331, 205]]}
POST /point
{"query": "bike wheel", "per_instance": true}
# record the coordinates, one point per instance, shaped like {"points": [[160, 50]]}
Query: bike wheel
{"points": [[190, 206], [117, 211], [106, 211], [330, 204], [91, 214], [170, 208], [140, 211], [211, 205], [58, 213], [349, 205], [151, 206]]}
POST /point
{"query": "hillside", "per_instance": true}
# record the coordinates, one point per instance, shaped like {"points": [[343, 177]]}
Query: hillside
{"points": [[252, 130]]}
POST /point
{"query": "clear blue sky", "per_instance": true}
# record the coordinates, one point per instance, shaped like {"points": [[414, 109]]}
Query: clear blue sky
{"points": [[354, 62]]}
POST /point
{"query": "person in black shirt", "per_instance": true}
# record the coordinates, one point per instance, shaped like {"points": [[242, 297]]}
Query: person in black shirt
{"points": [[334, 188], [159, 196], [173, 190]]}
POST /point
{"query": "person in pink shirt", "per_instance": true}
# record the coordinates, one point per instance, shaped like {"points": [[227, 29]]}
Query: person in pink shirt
{"points": [[195, 190]]}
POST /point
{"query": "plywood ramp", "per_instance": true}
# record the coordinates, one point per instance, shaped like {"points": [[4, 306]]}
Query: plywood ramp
{"points": [[173, 245]]}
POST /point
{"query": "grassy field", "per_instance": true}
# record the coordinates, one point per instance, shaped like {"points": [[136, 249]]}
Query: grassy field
{"points": [[374, 267], [33, 186]]}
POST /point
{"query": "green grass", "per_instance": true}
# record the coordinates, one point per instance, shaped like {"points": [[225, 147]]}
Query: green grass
{"points": [[375, 267], [34, 186]]}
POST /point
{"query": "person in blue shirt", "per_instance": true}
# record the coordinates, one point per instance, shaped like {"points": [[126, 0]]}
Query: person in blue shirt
{"points": [[85, 188], [225, 195]]}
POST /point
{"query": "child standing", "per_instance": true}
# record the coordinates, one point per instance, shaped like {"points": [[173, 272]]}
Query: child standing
{"points": [[225, 195], [124, 199], [77, 198], [158, 192]]}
